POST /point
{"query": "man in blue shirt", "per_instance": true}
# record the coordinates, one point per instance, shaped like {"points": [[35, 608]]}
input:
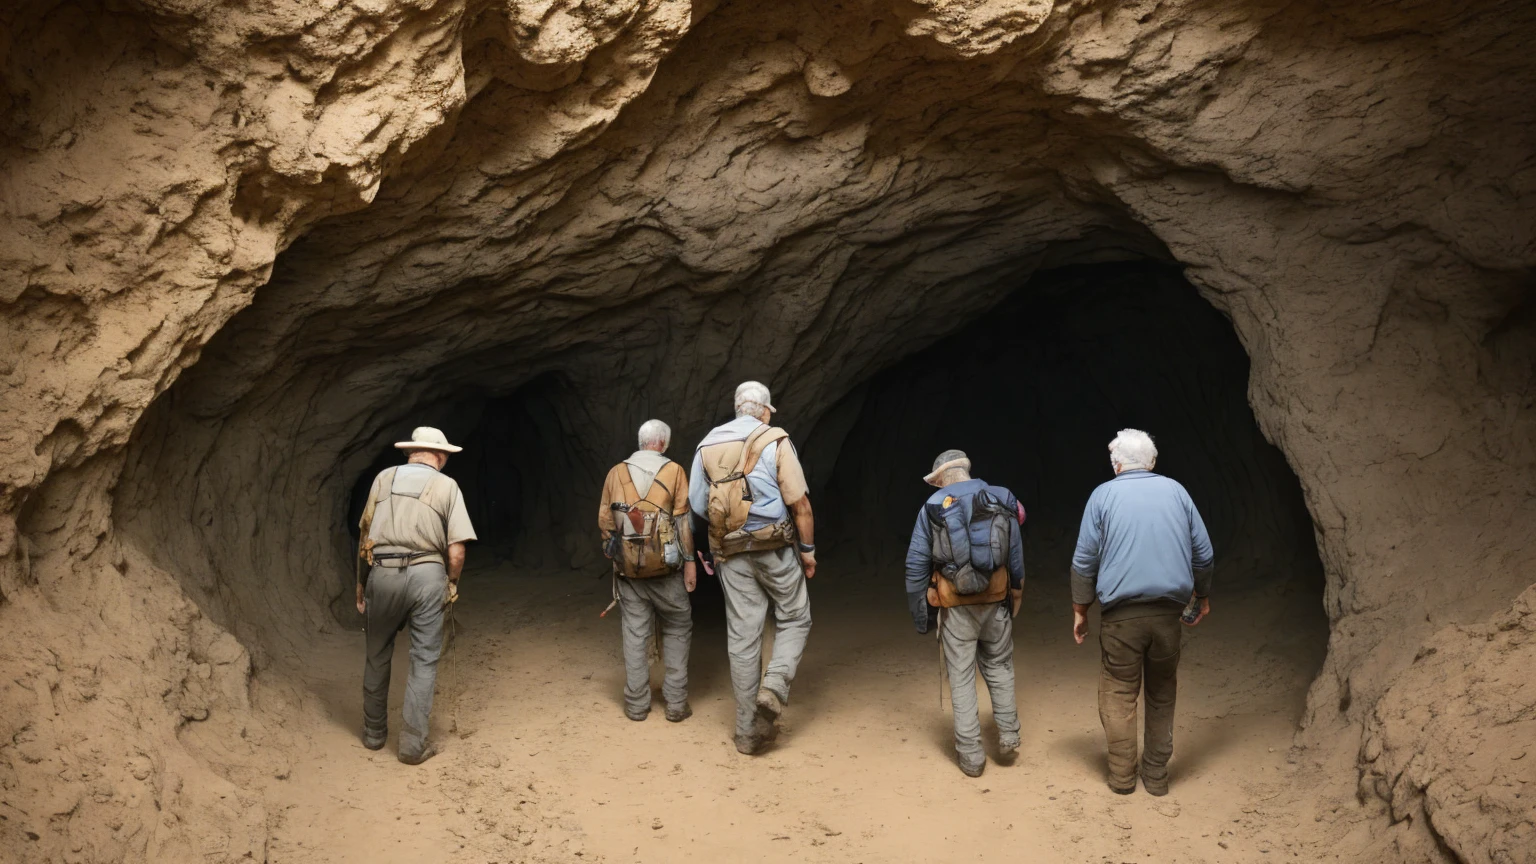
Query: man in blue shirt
{"points": [[1143, 553], [965, 573]]}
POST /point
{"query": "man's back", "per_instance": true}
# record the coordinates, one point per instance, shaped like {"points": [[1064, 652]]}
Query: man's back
{"points": [[1141, 538]]}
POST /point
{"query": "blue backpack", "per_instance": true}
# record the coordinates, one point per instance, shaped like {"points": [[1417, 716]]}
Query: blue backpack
{"points": [[970, 536]]}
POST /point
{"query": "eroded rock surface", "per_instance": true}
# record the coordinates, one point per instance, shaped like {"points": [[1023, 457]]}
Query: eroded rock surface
{"points": [[650, 200]]}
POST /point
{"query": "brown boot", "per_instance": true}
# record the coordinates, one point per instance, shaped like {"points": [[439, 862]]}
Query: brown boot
{"points": [[427, 752]]}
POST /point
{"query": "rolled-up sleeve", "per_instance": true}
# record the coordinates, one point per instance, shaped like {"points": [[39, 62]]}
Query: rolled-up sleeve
{"points": [[919, 571], [1202, 556], [1085, 561], [698, 486], [458, 526]]}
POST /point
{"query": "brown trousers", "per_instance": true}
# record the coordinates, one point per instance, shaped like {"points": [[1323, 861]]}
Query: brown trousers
{"points": [[1139, 652]]}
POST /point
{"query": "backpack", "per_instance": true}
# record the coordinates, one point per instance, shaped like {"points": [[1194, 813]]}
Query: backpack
{"points": [[970, 537], [644, 543], [730, 496]]}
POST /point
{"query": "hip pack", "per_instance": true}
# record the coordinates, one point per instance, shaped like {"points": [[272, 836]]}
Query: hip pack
{"points": [[644, 543], [970, 537]]}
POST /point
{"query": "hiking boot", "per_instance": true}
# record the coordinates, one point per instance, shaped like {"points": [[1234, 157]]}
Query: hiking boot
{"points": [[637, 716], [374, 745], [427, 752], [769, 705], [1155, 785], [1007, 748], [1126, 791], [972, 769], [679, 713], [762, 733]]}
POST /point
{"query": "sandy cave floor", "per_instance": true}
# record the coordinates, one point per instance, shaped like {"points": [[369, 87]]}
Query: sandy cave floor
{"points": [[538, 762]]}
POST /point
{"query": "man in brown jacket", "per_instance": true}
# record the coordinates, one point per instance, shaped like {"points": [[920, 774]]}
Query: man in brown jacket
{"points": [[646, 530]]}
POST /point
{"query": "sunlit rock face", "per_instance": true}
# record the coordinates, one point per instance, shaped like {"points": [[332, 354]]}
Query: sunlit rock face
{"points": [[300, 230]]}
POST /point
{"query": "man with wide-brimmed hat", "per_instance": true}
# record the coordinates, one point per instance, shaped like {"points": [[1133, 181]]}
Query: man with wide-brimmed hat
{"points": [[414, 528], [965, 577]]}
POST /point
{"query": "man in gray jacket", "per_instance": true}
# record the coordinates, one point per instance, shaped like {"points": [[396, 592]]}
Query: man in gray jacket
{"points": [[1143, 553]]}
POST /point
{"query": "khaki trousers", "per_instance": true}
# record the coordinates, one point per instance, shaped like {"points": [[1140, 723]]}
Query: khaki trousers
{"points": [[1139, 653], [641, 602], [980, 637], [753, 583], [398, 599]]}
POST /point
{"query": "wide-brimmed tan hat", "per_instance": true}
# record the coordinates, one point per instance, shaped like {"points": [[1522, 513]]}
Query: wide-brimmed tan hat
{"points": [[947, 460], [427, 438]]}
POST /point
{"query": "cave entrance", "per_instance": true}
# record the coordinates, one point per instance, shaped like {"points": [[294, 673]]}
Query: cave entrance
{"points": [[1033, 392]]}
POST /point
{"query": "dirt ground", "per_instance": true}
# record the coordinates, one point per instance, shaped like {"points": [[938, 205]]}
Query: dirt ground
{"points": [[538, 762]]}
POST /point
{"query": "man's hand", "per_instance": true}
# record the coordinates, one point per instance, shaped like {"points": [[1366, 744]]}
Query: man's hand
{"points": [[1205, 609], [1016, 600], [1079, 622], [690, 576], [362, 605], [808, 563], [453, 592]]}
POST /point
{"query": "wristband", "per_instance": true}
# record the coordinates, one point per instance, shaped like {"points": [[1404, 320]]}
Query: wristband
{"points": [[805, 548]]}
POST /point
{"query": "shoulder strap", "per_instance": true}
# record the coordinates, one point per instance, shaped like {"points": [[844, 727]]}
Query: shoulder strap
{"points": [[755, 444], [626, 484]]}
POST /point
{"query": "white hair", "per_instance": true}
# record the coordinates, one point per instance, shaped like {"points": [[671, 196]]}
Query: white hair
{"points": [[752, 398], [1133, 448], [655, 432]]}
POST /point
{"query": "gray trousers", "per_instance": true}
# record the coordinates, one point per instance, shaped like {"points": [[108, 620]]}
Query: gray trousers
{"points": [[397, 598], [752, 581], [641, 602], [980, 636]]}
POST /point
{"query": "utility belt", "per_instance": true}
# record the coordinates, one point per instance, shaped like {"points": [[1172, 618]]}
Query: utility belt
{"points": [[942, 592], [775, 536], [399, 558]]}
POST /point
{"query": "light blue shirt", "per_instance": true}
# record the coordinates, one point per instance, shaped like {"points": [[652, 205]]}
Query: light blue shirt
{"points": [[767, 502], [1141, 540]]}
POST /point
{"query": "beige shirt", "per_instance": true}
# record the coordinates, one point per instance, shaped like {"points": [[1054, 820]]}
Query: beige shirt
{"points": [[423, 512]]}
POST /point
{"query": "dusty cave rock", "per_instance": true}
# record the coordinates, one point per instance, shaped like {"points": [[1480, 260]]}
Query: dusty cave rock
{"points": [[294, 227]]}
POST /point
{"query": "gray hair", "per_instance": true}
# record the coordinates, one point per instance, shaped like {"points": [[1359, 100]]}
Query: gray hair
{"points": [[1133, 448], [655, 432], [751, 398]]}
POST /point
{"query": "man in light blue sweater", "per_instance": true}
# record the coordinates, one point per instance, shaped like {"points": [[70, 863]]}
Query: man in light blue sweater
{"points": [[1144, 554]]}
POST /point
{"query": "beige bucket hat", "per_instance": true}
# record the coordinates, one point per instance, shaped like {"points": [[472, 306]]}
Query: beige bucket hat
{"points": [[947, 460], [427, 438]]}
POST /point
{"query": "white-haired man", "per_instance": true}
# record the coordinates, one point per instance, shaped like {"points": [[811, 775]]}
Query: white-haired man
{"points": [[414, 528], [749, 486], [1144, 554], [643, 517]]}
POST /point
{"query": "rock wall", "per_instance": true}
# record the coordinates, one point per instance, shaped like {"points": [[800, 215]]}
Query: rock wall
{"points": [[417, 202]]}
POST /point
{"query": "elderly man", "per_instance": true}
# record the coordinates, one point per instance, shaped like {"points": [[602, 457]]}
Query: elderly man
{"points": [[643, 517], [748, 484], [414, 528], [965, 570], [1143, 553]]}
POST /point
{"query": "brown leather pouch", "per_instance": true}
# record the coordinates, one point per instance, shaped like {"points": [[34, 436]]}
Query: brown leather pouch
{"points": [[942, 593]]}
